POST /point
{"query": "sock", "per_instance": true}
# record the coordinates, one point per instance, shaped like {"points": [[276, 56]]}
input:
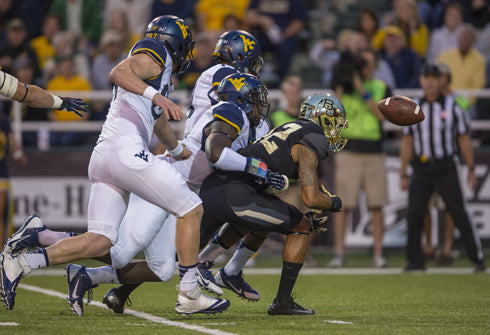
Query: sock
{"points": [[211, 251], [239, 259], [103, 274], [188, 278], [37, 259], [48, 237], [289, 275], [126, 289]]}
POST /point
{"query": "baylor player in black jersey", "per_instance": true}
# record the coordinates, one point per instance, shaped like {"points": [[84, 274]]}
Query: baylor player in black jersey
{"points": [[294, 149]]}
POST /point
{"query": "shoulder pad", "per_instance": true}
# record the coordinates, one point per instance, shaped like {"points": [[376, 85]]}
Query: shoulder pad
{"points": [[229, 113], [152, 47], [221, 73]]}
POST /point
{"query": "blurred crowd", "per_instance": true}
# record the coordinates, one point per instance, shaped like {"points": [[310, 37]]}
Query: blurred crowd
{"points": [[73, 44]]}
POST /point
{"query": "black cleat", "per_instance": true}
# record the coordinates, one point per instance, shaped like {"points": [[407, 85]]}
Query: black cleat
{"points": [[116, 301], [288, 308]]}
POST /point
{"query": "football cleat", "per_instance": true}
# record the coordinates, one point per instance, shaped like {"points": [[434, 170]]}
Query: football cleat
{"points": [[237, 284], [116, 301], [78, 283], [26, 237], [13, 267], [288, 308], [205, 278], [379, 261], [198, 302]]}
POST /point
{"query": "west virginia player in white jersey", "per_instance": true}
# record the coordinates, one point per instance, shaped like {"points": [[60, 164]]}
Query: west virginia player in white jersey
{"points": [[122, 164]]}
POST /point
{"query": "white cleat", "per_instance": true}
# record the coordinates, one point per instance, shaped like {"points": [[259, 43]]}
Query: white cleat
{"points": [[26, 237], [12, 269], [198, 302]]}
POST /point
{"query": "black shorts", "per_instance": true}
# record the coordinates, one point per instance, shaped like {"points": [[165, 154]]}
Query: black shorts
{"points": [[241, 203]]}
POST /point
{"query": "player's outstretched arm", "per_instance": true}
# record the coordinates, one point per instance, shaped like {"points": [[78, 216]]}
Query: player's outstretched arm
{"points": [[35, 96]]}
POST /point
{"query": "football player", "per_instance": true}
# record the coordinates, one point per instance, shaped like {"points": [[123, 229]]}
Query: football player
{"points": [[294, 149], [121, 164]]}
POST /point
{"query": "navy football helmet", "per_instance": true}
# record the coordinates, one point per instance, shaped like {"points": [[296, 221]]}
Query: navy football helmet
{"points": [[177, 37], [241, 49], [328, 112], [247, 92]]}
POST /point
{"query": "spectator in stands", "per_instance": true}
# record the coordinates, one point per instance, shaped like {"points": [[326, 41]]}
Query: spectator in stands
{"points": [[17, 44], [446, 37], [43, 44], [478, 13], [232, 22], [83, 18], [110, 54], [64, 44], [325, 53], [276, 25], [367, 24], [467, 64], [292, 97], [181, 8], [118, 20], [67, 80], [360, 166], [205, 43], [29, 11], [211, 14], [404, 62], [406, 18], [137, 14], [483, 42]]}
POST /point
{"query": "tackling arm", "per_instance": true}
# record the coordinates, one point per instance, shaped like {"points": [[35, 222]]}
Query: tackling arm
{"points": [[311, 194]]}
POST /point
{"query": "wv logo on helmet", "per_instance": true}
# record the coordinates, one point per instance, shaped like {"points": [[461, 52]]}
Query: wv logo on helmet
{"points": [[183, 27], [247, 43], [237, 82]]}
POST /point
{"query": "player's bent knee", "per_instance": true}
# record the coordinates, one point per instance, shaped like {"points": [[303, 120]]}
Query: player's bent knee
{"points": [[164, 270]]}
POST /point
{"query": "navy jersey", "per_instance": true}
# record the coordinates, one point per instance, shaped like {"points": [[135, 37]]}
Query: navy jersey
{"points": [[275, 147]]}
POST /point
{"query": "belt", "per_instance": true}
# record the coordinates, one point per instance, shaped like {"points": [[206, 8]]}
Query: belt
{"points": [[431, 160]]}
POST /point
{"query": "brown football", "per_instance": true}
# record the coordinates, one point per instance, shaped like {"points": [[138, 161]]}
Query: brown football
{"points": [[401, 110]]}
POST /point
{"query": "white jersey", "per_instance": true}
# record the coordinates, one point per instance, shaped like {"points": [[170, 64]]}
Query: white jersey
{"points": [[133, 114], [204, 93]]}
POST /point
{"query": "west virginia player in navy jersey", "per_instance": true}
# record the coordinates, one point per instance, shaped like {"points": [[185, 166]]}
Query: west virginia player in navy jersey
{"points": [[294, 149]]}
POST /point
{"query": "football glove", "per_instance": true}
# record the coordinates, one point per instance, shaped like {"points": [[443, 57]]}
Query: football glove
{"points": [[336, 201], [259, 169], [74, 105], [317, 225]]}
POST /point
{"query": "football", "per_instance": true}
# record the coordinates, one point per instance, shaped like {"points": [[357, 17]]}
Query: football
{"points": [[401, 110]]}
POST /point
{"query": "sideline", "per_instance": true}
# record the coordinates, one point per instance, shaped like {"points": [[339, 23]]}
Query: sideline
{"points": [[137, 314], [313, 271]]}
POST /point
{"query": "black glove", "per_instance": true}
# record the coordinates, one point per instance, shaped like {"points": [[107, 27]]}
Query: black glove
{"points": [[275, 180], [74, 105], [317, 225], [336, 201]]}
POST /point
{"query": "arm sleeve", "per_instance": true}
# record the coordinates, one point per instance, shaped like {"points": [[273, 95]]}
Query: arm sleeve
{"points": [[231, 161]]}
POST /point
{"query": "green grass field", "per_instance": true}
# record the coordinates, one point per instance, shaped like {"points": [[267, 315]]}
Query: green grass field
{"points": [[367, 304]]}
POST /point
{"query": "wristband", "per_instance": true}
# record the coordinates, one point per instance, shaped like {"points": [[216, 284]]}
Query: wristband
{"points": [[150, 92], [177, 150], [366, 96], [57, 102]]}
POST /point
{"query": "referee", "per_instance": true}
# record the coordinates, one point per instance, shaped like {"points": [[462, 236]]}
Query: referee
{"points": [[430, 147]]}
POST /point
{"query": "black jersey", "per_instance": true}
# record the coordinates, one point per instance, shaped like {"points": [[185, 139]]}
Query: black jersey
{"points": [[274, 148]]}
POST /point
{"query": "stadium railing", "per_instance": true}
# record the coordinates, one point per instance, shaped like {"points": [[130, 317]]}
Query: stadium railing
{"points": [[183, 98]]}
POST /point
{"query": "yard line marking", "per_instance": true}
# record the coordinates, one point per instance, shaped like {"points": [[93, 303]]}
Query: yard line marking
{"points": [[9, 324], [137, 314], [310, 271], [339, 322]]}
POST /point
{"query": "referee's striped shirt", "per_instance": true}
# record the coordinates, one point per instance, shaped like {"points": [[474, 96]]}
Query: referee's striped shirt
{"points": [[436, 136]]}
